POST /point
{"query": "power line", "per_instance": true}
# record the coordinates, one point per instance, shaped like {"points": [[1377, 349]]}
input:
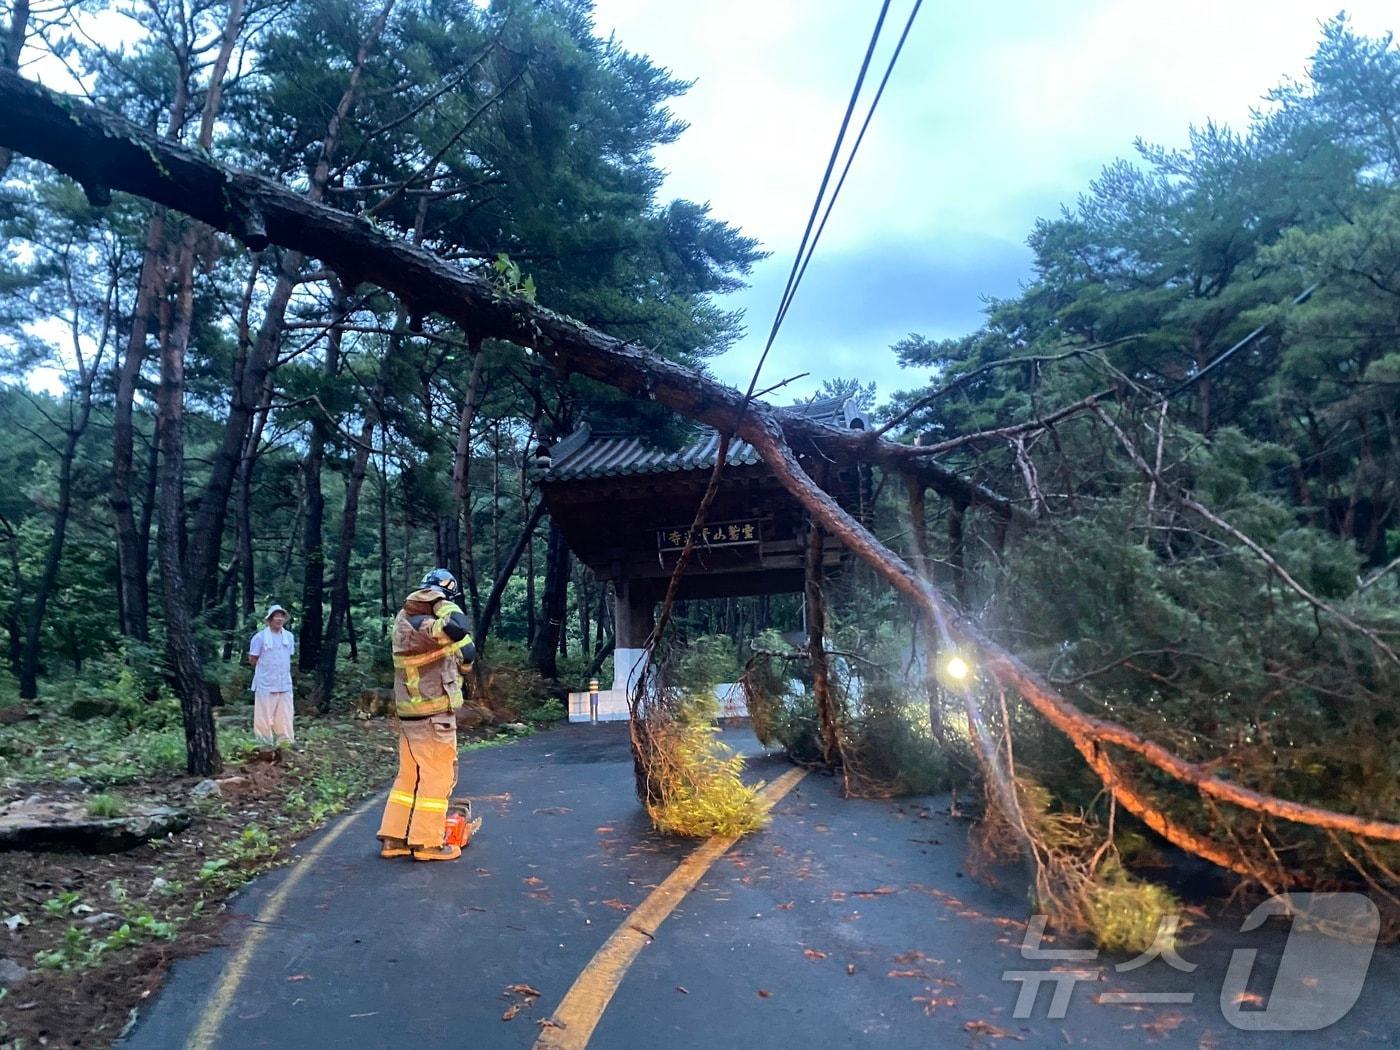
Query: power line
{"points": [[817, 204], [909, 24]]}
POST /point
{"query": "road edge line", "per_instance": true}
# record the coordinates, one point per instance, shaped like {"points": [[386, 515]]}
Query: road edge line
{"points": [[583, 1004], [222, 998]]}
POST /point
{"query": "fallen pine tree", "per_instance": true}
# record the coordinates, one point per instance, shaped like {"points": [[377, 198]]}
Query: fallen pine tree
{"points": [[104, 154]]}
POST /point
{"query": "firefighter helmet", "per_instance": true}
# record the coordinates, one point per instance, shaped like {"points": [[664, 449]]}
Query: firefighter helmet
{"points": [[443, 581]]}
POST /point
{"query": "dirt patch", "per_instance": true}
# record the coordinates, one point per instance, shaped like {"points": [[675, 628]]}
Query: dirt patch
{"points": [[97, 933]]}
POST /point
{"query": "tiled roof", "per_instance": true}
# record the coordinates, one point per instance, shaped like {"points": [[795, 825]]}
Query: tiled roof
{"points": [[585, 455]]}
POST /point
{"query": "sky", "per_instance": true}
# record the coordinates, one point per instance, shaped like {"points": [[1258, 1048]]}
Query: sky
{"points": [[998, 113]]}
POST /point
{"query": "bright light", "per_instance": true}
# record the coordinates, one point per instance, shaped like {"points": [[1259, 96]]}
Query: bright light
{"points": [[957, 669]]}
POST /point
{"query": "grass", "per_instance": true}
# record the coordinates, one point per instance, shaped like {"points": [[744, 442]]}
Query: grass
{"points": [[103, 806]]}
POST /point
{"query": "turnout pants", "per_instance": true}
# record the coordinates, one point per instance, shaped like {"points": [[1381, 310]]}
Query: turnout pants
{"points": [[417, 806]]}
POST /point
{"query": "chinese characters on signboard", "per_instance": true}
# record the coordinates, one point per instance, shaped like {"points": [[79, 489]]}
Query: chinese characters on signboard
{"points": [[722, 534]]}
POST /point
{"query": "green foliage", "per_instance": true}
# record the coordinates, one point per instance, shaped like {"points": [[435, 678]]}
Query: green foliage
{"points": [[106, 806], [703, 793], [704, 663], [1127, 914]]}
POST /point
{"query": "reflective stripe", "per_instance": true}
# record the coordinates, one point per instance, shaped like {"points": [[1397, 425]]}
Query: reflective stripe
{"points": [[429, 705], [423, 659], [433, 805], [403, 798]]}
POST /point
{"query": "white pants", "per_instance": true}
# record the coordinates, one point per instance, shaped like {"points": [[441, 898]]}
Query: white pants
{"points": [[272, 717]]}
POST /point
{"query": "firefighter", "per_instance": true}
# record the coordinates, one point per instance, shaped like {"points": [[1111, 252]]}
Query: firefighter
{"points": [[432, 637]]}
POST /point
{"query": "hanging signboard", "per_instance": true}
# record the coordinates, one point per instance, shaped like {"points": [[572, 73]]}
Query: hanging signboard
{"points": [[720, 534]]}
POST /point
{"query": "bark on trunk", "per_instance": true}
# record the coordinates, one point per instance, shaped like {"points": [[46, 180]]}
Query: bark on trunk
{"points": [[313, 585], [498, 587], [53, 557], [544, 647], [340, 577], [827, 725], [133, 552], [186, 663]]}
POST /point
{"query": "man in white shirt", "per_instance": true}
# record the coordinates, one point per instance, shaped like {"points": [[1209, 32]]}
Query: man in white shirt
{"points": [[270, 653]]}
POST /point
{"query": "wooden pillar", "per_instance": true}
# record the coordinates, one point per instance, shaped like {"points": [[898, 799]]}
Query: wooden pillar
{"points": [[635, 618], [816, 648]]}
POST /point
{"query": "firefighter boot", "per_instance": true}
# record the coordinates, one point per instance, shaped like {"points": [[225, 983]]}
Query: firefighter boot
{"points": [[436, 852], [392, 847]]}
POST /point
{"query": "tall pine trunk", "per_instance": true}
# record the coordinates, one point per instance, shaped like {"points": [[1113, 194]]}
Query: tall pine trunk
{"points": [[544, 647]]}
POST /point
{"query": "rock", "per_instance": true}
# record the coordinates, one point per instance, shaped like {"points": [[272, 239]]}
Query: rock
{"points": [[87, 707], [515, 727], [473, 716], [11, 972], [157, 885], [207, 789], [102, 918], [14, 713], [53, 825], [74, 782]]}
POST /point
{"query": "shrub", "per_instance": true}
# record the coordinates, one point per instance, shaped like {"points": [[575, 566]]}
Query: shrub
{"points": [[702, 791]]}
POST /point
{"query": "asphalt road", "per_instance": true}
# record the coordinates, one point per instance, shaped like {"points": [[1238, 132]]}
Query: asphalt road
{"points": [[846, 923]]}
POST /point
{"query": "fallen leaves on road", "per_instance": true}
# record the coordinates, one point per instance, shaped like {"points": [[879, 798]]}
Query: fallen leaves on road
{"points": [[878, 891], [908, 973], [532, 880], [986, 1028], [527, 995], [549, 1022], [299, 977], [812, 953], [613, 902], [682, 990], [551, 810], [932, 1000], [764, 993], [1166, 1023]]}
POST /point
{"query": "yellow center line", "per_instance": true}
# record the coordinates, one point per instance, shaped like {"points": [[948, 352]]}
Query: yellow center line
{"points": [[584, 1003], [222, 998]]}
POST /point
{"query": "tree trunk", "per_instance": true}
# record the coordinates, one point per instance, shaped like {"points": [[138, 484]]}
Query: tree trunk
{"points": [[313, 586], [133, 544], [498, 587], [29, 658], [14, 629], [186, 663], [544, 647], [213, 506], [340, 577], [10, 47], [828, 729], [384, 538], [133, 551], [461, 481]]}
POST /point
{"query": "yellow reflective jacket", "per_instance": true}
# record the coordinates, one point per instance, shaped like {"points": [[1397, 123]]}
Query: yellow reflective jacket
{"points": [[426, 680]]}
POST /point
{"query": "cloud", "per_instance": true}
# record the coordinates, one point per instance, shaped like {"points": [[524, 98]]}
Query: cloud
{"points": [[998, 113], [852, 306]]}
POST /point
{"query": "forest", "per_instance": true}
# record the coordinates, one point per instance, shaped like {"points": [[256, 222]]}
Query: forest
{"points": [[1164, 476]]}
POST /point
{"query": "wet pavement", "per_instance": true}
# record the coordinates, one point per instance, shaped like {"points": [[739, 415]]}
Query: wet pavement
{"points": [[845, 923]]}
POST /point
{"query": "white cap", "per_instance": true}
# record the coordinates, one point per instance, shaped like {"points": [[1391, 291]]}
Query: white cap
{"points": [[275, 608]]}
